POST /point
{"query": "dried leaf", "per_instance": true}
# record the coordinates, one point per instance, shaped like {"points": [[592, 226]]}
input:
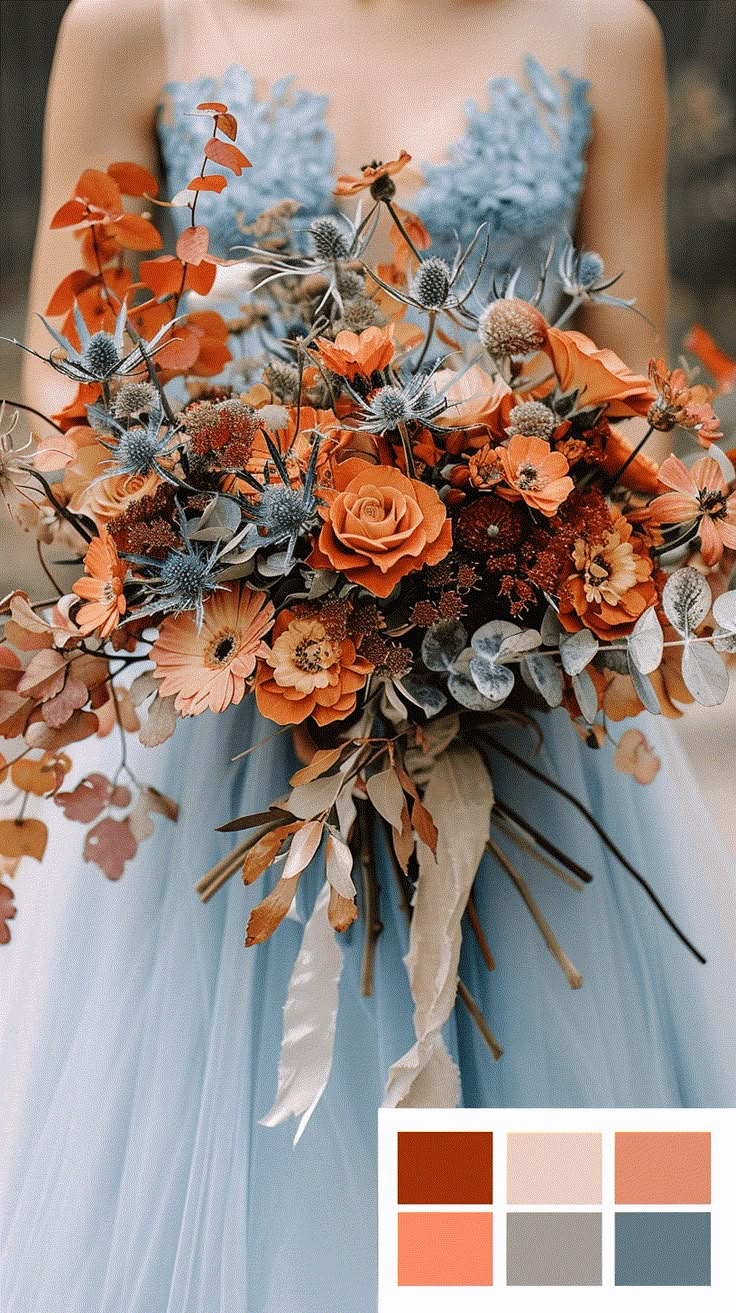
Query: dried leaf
{"points": [[263, 852], [150, 801], [57, 711], [387, 796], [193, 244], [320, 763], [26, 838], [7, 912], [34, 776], [339, 866], [110, 844], [227, 124], [634, 756], [215, 105], [423, 825], [212, 182], [44, 676], [310, 1017], [133, 179], [303, 847], [87, 801], [81, 725], [341, 912], [308, 800], [230, 157], [268, 915], [402, 837]]}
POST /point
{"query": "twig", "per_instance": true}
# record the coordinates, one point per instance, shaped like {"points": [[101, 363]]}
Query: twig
{"points": [[472, 914], [466, 997], [371, 900], [574, 977]]}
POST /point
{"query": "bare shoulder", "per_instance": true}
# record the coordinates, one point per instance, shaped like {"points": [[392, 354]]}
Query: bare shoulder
{"points": [[132, 25], [628, 27]]}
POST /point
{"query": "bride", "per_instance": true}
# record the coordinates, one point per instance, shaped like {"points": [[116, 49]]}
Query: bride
{"points": [[140, 1040]]}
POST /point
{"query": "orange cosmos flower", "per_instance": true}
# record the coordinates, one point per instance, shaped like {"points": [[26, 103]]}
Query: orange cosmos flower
{"points": [[700, 493], [209, 668], [379, 526], [677, 403], [612, 584], [369, 175], [307, 673], [535, 474], [599, 376], [358, 353], [103, 591]]}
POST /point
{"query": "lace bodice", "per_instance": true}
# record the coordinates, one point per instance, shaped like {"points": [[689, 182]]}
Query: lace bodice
{"points": [[519, 165]]}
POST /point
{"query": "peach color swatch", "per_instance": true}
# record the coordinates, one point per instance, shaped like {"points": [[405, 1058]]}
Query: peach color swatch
{"points": [[554, 1167], [662, 1167], [445, 1249]]}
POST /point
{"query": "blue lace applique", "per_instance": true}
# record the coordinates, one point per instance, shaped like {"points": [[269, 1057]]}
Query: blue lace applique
{"points": [[519, 167], [285, 137]]}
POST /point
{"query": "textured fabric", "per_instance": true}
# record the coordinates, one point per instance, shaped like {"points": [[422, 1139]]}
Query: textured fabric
{"points": [[140, 1043]]}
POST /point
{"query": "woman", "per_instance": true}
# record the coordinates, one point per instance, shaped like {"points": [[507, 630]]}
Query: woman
{"points": [[142, 1038]]}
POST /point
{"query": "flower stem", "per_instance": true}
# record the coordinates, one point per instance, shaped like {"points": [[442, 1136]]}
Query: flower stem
{"points": [[614, 478]]}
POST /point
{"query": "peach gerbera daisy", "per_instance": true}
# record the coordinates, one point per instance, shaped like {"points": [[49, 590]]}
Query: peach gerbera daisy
{"points": [[700, 493], [535, 474], [103, 590], [207, 668]]}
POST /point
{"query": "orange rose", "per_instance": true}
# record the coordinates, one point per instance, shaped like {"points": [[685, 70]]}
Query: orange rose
{"points": [[599, 375], [379, 526], [612, 584], [307, 673]]}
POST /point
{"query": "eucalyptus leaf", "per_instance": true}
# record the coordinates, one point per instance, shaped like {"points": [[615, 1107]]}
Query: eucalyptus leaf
{"points": [[644, 689], [464, 691], [442, 644], [724, 640], [724, 610], [612, 658], [487, 640], [646, 642], [542, 673], [686, 599], [577, 651], [525, 641], [704, 674], [587, 695], [431, 700], [322, 582], [551, 628], [494, 682]]}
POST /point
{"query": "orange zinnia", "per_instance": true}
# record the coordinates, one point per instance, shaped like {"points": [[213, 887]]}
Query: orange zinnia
{"points": [[370, 174], [103, 591], [207, 668], [379, 526], [307, 673], [612, 584], [358, 353], [535, 474], [599, 375]]}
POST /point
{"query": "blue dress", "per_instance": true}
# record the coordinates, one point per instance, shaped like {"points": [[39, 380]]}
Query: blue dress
{"points": [[141, 1040]]}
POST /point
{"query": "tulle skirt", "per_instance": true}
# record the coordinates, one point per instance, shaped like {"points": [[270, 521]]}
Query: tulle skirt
{"points": [[140, 1038]]}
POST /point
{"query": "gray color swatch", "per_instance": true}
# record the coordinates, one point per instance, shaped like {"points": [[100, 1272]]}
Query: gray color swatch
{"points": [[663, 1249], [553, 1249]]}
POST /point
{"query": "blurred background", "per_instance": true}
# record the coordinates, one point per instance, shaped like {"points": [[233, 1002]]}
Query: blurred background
{"points": [[700, 40]]}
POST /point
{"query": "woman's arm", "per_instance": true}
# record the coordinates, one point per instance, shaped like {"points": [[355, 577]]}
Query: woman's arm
{"points": [[105, 82], [623, 207]]}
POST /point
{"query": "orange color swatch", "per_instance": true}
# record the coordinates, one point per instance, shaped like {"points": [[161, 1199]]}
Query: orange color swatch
{"points": [[662, 1167], [445, 1167], [445, 1249]]}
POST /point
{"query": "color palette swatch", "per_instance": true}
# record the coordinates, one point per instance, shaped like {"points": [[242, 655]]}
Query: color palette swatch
{"points": [[594, 1204]]}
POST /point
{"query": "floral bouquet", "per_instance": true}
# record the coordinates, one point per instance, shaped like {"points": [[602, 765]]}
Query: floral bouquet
{"points": [[393, 504]]}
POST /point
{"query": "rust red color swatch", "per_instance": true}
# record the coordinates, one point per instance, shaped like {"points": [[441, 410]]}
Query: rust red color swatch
{"points": [[445, 1167]]}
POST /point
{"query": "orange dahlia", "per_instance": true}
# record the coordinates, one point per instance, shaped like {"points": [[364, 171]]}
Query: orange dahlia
{"points": [[307, 673], [379, 526], [103, 590], [612, 583], [207, 668]]}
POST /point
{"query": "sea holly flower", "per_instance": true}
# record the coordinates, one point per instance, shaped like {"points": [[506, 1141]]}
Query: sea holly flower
{"points": [[583, 277], [700, 496], [101, 356], [535, 474], [208, 667], [135, 451], [416, 401], [435, 285], [679, 403], [104, 598]]}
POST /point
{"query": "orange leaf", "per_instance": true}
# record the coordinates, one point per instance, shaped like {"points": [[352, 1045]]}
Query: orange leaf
{"points": [[133, 180], [37, 777], [68, 214], [210, 322], [79, 726], [263, 852], [180, 352], [212, 358], [26, 838], [193, 244], [424, 826], [68, 291], [321, 762], [215, 105], [200, 277], [227, 124], [268, 915], [212, 182], [100, 190], [136, 233], [230, 157], [163, 274], [341, 911]]}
